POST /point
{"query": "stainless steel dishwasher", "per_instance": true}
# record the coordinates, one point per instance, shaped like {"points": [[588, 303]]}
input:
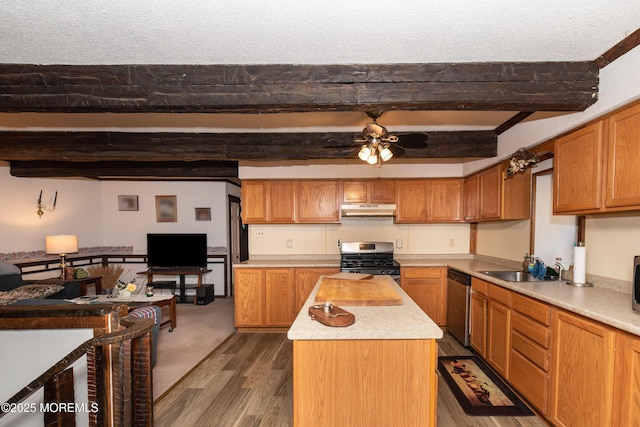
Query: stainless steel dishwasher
{"points": [[458, 305]]}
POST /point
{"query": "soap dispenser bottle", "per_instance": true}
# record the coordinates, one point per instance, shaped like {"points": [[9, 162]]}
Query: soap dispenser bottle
{"points": [[525, 263]]}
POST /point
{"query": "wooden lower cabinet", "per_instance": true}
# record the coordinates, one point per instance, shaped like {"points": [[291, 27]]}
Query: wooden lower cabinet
{"points": [[498, 329], [478, 325], [626, 397], [582, 371], [305, 279], [530, 350], [427, 286], [264, 297]]}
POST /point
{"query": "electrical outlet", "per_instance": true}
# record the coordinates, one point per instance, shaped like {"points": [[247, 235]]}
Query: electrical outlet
{"points": [[289, 243], [452, 242], [399, 243], [260, 234]]}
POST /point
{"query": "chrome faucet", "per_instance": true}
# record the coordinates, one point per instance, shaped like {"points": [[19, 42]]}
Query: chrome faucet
{"points": [[560, 268]]}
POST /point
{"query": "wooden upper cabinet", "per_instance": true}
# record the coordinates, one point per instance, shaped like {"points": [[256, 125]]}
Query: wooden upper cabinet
{"points": [[471, 197], [379, 191], [623, 159], [445, 200], [412, 200], [577, 171], [281, 202], [490, 196], [516, 196], [318, 201], [254, 202]]}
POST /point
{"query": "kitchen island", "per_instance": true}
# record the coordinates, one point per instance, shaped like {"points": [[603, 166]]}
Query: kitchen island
{"points": [[380, 371]]}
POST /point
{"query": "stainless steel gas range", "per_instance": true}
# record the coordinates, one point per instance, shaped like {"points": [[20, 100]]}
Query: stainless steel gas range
{"points": [[369, 258]]}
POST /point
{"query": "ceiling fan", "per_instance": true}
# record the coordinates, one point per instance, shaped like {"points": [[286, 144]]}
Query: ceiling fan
{"points": [[377, 145]]}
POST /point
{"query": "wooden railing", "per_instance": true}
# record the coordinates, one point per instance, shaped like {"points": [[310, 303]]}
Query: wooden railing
{"points": [[119, 375]]}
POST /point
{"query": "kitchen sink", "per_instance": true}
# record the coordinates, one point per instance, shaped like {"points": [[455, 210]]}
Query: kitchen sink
{"points": [[513, 276]]}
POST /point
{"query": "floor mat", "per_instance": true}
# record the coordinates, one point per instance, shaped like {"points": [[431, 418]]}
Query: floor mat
{"points": [[478, 390]]}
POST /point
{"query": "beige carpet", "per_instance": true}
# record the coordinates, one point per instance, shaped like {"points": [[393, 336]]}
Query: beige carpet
{"points": [[200, 329]]}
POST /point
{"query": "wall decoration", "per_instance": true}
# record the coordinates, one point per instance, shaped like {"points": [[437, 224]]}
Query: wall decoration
{"points": [[166, 209], [127, 203], [203, 214]]}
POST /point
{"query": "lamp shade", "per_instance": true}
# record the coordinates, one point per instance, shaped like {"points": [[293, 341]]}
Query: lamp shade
{"points": [[61, 244]]}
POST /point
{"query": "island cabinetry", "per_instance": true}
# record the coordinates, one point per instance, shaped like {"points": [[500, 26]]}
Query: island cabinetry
{"points": [[498, 329], [478, 325], [427, 287], [530, 350], [360, 382], [626, 398], [318, 201], [577, 170], [376, 191], [264, 297], [582, 371], [305, 279]]}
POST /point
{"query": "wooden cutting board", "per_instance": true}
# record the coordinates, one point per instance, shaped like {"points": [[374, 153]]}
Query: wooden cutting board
{"points": [[357, 292], [351, 276]]}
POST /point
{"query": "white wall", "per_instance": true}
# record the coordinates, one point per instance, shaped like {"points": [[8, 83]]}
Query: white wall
{"points": [[78, 211]]}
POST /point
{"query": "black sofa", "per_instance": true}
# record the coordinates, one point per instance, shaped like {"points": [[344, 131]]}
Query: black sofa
{"points": [[13, 288]]}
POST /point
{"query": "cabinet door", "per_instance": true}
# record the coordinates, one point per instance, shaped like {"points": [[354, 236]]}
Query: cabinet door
{"points": [[412, 198], [426, 286], [471, 197], [248, 296], [254, 202], [478, 326], [305, 280], [279, 297], [626, 399], [516, 196], [318, 201], [581, 372], [491, 193], [281, 202], [623, 159], [577, 171], [498, 337], [382, 191], [354, 191], [445, 200]]}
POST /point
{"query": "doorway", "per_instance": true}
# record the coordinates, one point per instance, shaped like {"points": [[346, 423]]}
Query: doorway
{"points": [[238, 238]]}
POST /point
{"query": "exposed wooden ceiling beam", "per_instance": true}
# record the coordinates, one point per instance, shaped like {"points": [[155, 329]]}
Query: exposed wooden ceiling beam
{"points": [[198, 170], [189, 147], [512, 122], [624, 46], [543, 86]]}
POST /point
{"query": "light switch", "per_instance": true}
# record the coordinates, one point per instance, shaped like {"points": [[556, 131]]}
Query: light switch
{"points": [[289, 243], [399, 243]]}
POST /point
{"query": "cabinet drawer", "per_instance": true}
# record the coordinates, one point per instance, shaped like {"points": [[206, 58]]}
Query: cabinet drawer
{"points": [[531, 381], [421, 272], [500, 294], [532, 330], [479, 286], [536, 310], [536, 354]]}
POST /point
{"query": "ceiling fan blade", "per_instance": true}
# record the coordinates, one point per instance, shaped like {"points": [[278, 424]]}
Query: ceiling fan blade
{"points": [[397, 150], [412, 139]]}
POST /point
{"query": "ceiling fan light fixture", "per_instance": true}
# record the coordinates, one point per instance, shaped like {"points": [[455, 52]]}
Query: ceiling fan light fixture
{"points": [[372, 160], [364, 153], [386, 154]]}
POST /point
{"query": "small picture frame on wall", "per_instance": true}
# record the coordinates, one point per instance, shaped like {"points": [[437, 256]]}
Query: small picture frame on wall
{"points": [[203, 214], [166, 209], [127, 203]]}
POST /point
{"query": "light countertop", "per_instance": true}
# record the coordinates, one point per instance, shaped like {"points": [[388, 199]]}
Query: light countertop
{"points": [[406, 321]]}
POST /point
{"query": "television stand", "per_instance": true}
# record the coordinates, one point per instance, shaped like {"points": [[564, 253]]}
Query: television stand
{"points": [[182, 273]]}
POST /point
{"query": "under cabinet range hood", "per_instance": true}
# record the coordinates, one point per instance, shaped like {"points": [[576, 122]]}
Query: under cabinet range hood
{"points": [[369, 209]]}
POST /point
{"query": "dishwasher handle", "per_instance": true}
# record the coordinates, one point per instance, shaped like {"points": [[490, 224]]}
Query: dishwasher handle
{"points": [[459, 276]]}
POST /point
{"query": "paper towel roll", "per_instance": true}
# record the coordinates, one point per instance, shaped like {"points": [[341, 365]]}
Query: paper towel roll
{"points": [[579, 264]]}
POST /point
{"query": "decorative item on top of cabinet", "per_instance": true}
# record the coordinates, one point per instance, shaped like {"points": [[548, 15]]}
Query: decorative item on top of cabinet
{"points": [[582, 371], [427, 287], [374, 191], [577, 171]]}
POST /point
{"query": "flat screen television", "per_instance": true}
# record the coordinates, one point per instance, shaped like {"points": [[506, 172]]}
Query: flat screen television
{"points": [[176, 250]]}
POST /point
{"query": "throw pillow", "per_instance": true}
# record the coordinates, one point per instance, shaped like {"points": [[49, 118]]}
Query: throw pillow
{"points": [[35, 291]]}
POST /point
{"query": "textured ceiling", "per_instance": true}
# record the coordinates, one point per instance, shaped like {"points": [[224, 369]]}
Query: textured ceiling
{"points": [[301, 32]]}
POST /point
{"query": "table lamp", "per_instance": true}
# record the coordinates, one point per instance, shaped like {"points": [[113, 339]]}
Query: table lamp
{"points": [[62, 245]]}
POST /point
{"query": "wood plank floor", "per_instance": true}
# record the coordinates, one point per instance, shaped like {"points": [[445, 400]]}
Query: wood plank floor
{"points": [[247, 381]]}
